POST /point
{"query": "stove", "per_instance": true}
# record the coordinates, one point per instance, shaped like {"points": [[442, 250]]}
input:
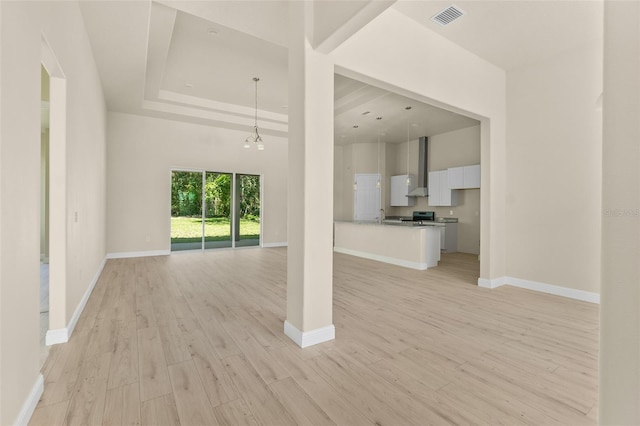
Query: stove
{"points": [[419, 216]]}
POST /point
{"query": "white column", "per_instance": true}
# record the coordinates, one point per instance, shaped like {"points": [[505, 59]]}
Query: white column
{"points": [[620, 289], [310, 190]]}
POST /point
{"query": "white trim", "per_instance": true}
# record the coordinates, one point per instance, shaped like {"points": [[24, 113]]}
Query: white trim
{"points": [[30, 403], [213, 115], [571, 293], [393, 261], [269, 245], [196, 101], [309, 338], [62, 335], [492, 283], [127, 254], [58, 335]]}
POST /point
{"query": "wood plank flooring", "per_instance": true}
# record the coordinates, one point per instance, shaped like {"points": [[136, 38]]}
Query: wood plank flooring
{"points": [[197, 339]]}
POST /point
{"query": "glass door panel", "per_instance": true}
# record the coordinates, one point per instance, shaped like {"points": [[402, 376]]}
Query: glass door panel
{"points": [[217, 213], [247, 206], [186, 210]]}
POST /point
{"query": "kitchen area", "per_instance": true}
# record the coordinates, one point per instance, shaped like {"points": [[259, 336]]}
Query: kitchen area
{"points": [[417, 242], [407, 196]]}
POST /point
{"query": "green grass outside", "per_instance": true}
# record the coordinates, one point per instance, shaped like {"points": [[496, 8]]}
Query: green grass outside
{"points": [[189, 229]]}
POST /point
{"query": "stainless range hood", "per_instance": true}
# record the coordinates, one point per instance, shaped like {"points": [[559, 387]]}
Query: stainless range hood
{"points": [[423, 173]]}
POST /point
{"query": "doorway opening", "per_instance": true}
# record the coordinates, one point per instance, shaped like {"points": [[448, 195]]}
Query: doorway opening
{"points": [[56, 194], [393, 122], [212, 210], [44, 210]]}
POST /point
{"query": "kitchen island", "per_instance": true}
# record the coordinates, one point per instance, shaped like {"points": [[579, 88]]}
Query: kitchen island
{"points": [[407, 245]]}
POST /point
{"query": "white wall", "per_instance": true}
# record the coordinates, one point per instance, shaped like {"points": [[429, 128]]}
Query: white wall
{"points": [[23, 24], [142, 151], [554, 153]]}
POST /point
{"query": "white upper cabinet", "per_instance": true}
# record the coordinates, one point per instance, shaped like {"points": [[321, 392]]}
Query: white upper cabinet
{"points": [[439, 192], [472, 176], [456, 177], [467, 177], [434, 188], [400, 189]]}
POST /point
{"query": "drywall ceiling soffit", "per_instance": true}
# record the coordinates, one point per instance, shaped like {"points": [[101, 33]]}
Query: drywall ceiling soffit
{"points": [[266, 20], [163, 61], [513, 34], [359, 104], [160, 61], [334, 21], [205, 70]]}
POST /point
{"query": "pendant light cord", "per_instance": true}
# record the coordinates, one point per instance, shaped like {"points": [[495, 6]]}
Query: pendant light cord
{"points": [[256, 79]]}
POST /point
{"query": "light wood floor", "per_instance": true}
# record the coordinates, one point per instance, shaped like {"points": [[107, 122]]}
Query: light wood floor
{"points": [[196, 339]]}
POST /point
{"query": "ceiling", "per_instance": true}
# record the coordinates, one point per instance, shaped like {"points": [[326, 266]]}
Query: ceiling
{"points": [[513, 33], [395, 118], [195, 61]]}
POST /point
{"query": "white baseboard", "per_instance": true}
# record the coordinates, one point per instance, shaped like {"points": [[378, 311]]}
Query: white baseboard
{"points": [[269, 245], [385, 259], [30, 403], [492, 283], [309, 338], [554, 289], [571, 293], [127, 254], [62, 335], [55, 336]]}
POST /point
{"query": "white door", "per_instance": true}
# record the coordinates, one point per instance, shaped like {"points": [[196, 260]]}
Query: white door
{"points": [[366, 196]]}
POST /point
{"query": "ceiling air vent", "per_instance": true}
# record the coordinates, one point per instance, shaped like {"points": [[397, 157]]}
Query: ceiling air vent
{"points": [[448, 15]]}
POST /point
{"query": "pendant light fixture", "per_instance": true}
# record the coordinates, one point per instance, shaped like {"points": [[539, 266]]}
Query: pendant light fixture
{"points": [[255, 136]]}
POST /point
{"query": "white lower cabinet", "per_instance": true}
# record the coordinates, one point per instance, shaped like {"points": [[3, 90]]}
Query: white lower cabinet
{"points": [[439, 192], [449, 237]]}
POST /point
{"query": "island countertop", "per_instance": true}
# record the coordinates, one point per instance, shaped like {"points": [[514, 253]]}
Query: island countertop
{"points": [[412, 246], [392, 223]]}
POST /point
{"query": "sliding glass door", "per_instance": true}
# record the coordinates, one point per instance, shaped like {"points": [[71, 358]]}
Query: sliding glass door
{"points": [[247, 210], [217, 210], [186, 210], [214, 210]]}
